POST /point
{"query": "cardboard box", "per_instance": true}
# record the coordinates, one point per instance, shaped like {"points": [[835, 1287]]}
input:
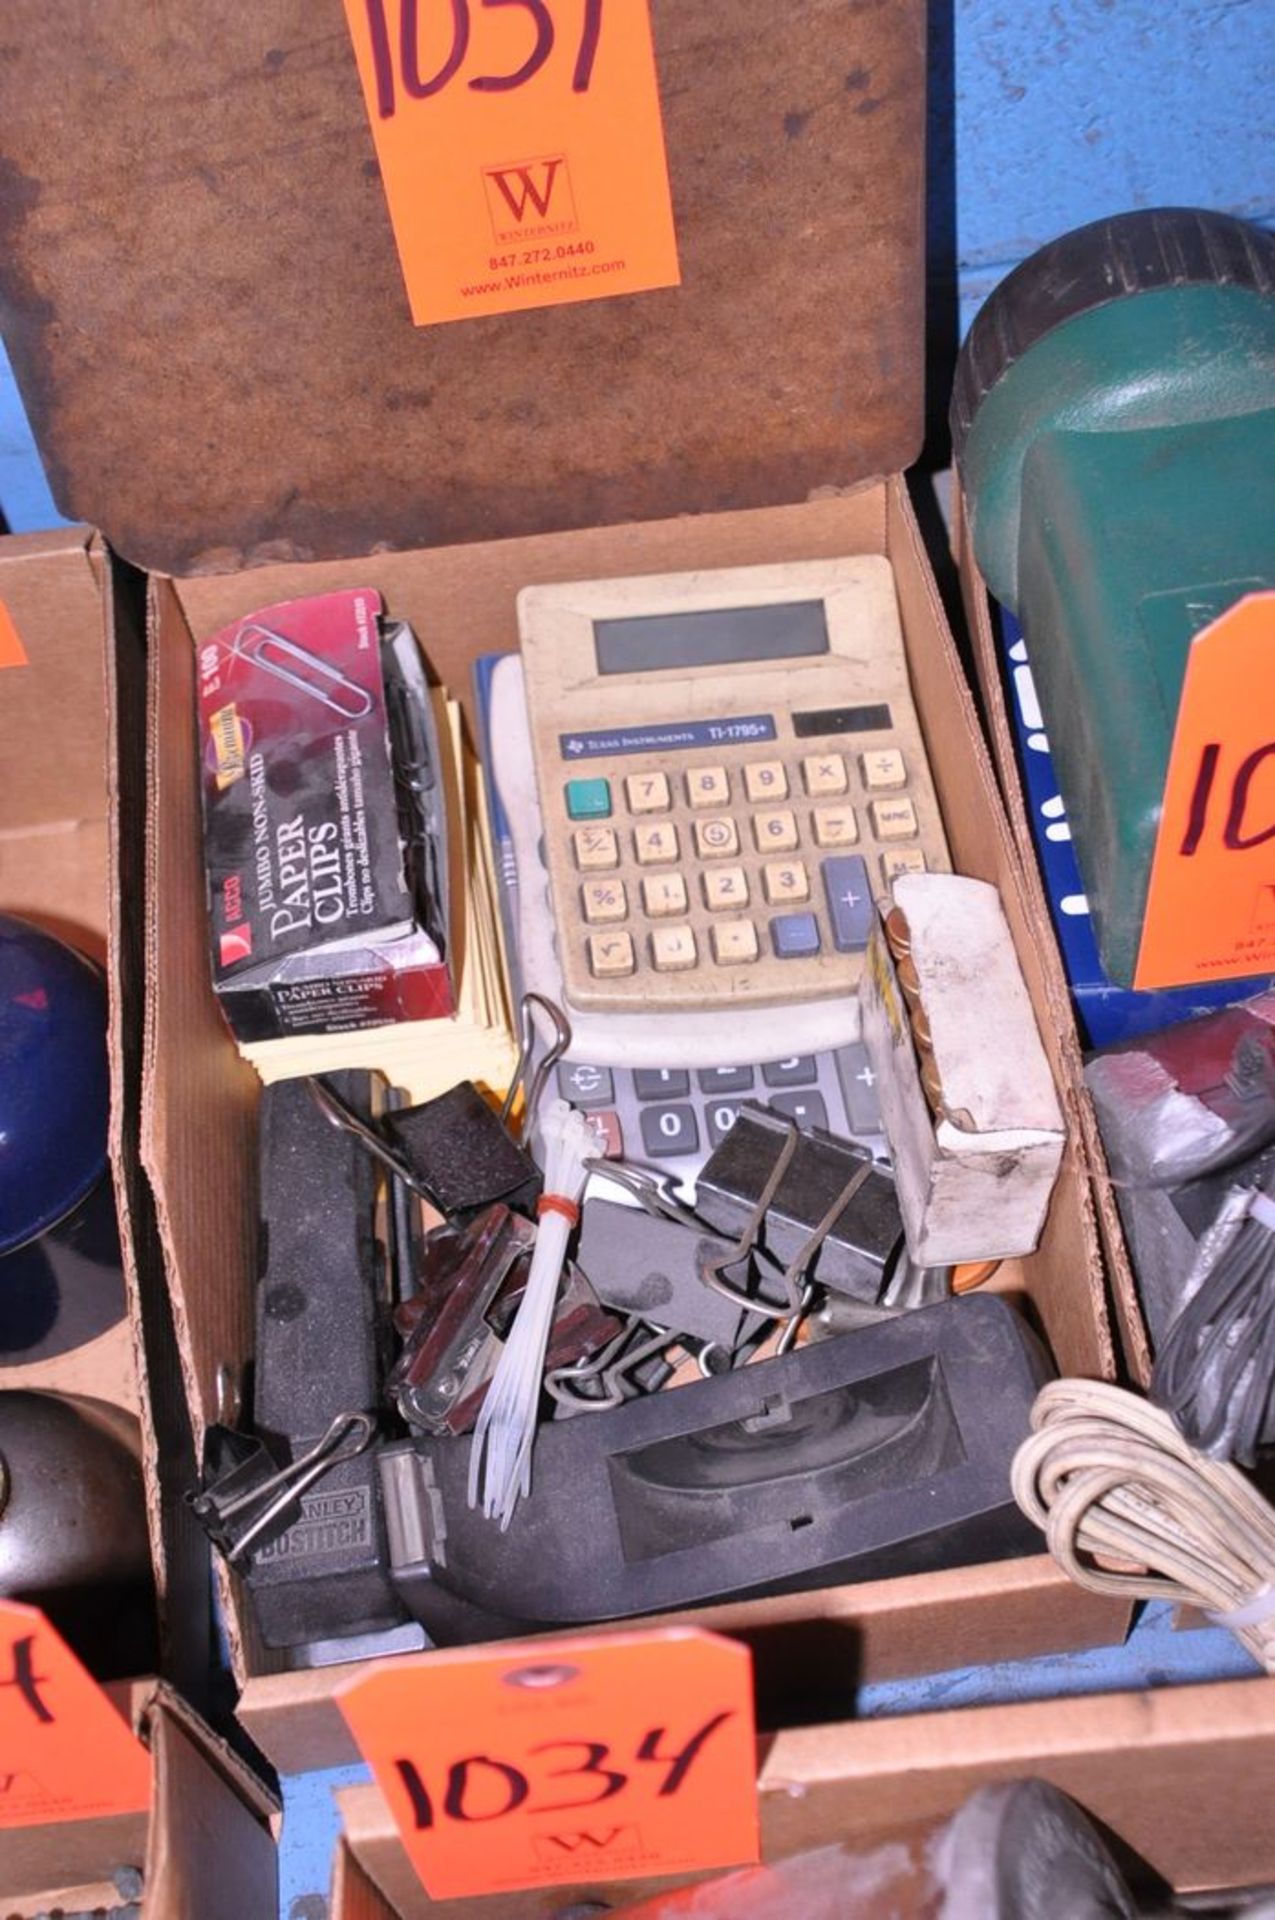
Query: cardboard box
{"points": [[72, 721], [70, 828], [1179, 1775], [1134, 1338], [72, 851], [234, 390], [206, 1850], [200, 1098]]}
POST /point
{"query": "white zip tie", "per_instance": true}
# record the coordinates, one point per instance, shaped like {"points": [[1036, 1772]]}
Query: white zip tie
{"points": [[500, 1453]]}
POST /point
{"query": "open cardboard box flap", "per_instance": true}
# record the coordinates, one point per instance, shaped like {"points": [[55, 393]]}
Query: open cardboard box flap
{"points": [[55, 852], [72, 726], [212, 336], [72, 849]]}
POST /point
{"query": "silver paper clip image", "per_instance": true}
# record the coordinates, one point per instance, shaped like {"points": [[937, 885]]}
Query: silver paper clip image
{"points": [[275, 653]]}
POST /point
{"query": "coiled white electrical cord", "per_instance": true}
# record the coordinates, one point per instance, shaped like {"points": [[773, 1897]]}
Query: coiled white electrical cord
{"points": [[1107, 1476]]}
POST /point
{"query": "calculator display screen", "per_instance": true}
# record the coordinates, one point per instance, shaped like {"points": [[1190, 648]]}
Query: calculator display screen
{"points": [[713, 637]]}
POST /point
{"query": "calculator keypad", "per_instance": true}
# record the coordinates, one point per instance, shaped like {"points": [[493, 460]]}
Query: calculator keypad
{"points": [[728, 866], [674, 1117]]}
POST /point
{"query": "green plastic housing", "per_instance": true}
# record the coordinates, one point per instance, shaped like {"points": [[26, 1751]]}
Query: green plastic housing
{"points": [[1120, 477]]}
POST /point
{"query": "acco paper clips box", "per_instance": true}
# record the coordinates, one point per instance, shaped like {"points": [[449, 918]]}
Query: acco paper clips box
{"points": [[322, 916], [304, 437]]}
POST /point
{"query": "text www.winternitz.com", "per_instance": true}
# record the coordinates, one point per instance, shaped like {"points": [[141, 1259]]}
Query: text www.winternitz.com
{"points": [[541, 277]]}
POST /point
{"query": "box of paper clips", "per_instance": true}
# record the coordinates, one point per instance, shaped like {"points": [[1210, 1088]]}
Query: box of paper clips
{"points": [[324, 821]]}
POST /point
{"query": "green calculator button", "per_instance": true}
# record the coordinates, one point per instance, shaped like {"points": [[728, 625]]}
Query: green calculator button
{"points": [[588, 799]]}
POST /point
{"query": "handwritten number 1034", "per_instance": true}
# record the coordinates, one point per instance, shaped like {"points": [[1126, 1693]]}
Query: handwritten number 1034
{"points": [[603, 1781], [418, 86]]}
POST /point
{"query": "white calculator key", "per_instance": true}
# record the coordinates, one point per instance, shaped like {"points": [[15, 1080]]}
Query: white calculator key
{"points": [[596, 848], [734, 942], [673, 948], [883, 767], [610, 955], [766, 780], [716, 839], [825, 773], [664, 894], [835, 826], [655, 845], [604, 900], [893, 819], [786, 880], [905, 860], [725, 888], [708, 786], [647, 792], [775, 832]]}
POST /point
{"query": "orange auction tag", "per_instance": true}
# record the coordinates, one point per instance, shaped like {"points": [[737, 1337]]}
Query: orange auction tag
{"points": [[588, 1759], [1211, 902], [65, 1752], [12, 651], [521, 147]]}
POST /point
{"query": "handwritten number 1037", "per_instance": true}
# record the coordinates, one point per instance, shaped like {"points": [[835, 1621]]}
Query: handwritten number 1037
{"points": [[418, 86]]}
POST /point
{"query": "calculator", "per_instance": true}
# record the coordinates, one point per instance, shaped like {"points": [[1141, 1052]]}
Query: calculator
{"points": [[730, 772]]}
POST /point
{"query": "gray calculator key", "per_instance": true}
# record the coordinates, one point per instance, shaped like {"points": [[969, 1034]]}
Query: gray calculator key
{"points": [[795, 935], [845, 885], [661, 1083], [798, 1070], [859, 1089], [807, 1109], [586, 1086], [669, 1132], [720, 1116], [725, 1079]]}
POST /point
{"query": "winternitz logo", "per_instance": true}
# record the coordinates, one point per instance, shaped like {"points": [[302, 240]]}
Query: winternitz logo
{"points": [[530, 197], [550, 1847]]}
